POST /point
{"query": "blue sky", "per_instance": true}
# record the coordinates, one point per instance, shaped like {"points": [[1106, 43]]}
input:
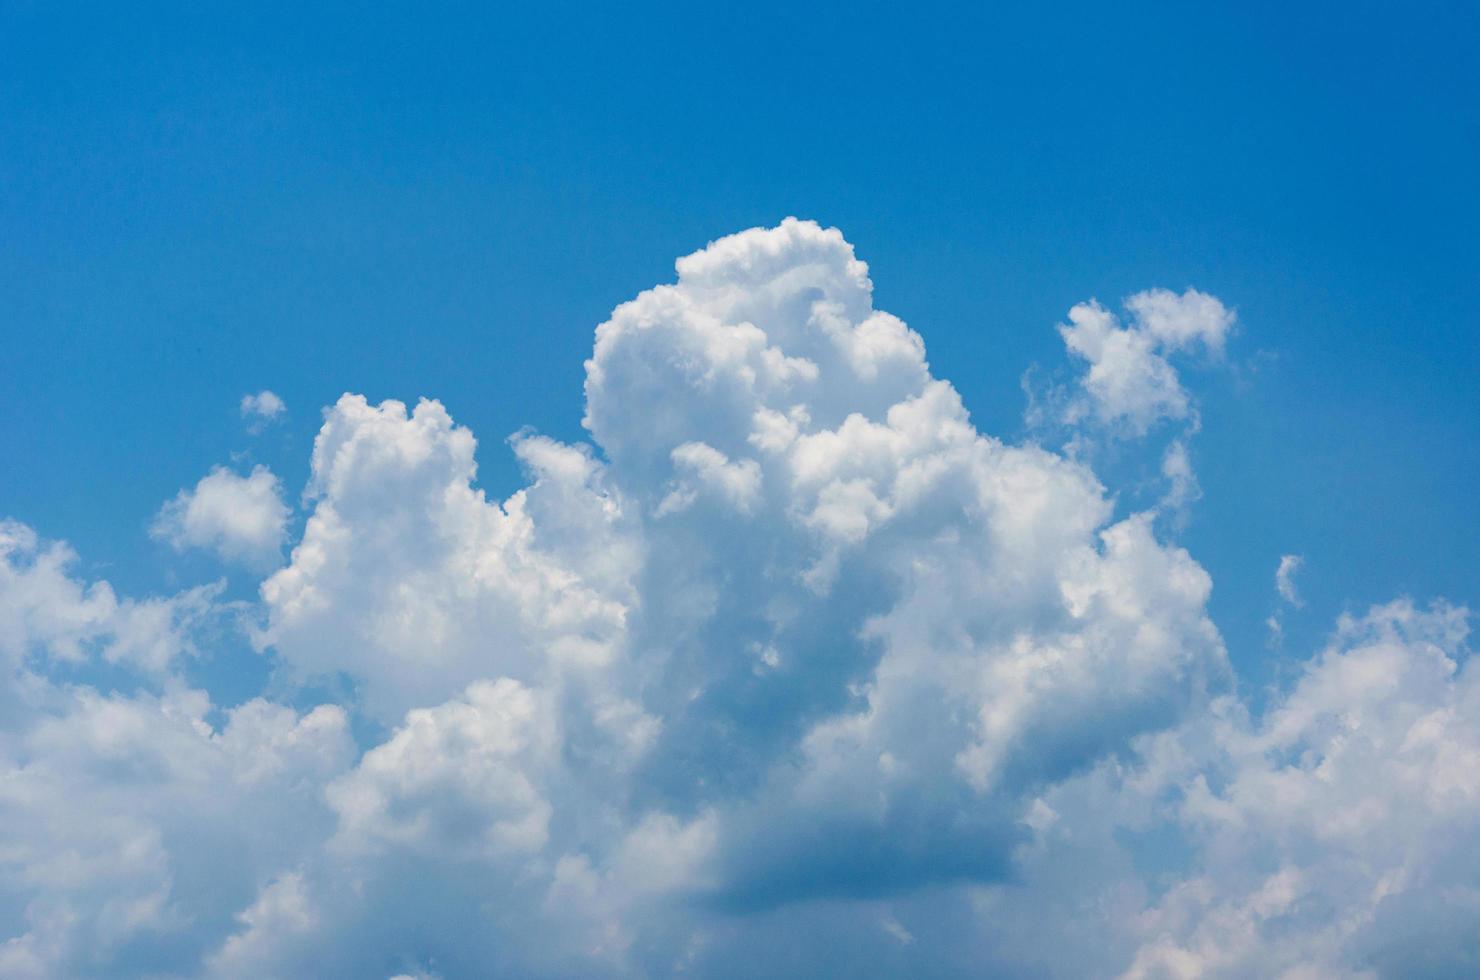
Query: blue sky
{"points": [[201, 202]]}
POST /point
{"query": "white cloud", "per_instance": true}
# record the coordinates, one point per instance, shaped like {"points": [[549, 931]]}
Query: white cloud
{"points": [[48, 618], [1130, 382], [241, 518], [1284, 579], [131, 826], [704, 468], [783, 475], [262, 408], [1182, 485], [1284, 583], [1182, 322], [793, 669], [412, 582], [1330, 828], [454, 778], [282, 912]]}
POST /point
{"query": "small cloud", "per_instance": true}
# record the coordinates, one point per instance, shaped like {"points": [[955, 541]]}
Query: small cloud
{"points": [[261, 409], [1284, 583], [1182, 485], [1130, 383], [1284, 579], [241, 518], [896, 929]]}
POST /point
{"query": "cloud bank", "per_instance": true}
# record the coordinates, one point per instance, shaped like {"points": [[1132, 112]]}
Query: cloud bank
{"points": [[791, 671]]}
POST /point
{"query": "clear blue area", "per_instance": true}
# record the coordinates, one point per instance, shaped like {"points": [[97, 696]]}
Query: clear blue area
{"points": [[201, 201]]}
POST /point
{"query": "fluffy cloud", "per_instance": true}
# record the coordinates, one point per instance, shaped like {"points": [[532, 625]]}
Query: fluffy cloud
{"points": [[792, 671], [1336, 834], [241, 518], [453, 777], [1130, 382], [261, 408], [802, 610], [134, 829], [48, 619], [410, 581], [1284, 585]]}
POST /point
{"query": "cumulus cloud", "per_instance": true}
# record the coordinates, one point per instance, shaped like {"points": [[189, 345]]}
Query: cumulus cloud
{"points": [[1130, 381], [792, 670], [1129, 386], [241, 518]]}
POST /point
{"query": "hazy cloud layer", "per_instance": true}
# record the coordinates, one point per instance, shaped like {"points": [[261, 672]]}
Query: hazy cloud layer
{"points": [[792, 671]]}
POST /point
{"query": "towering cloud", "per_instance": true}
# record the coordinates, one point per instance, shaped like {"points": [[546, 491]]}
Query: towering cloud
{"points": [[792, 670]]}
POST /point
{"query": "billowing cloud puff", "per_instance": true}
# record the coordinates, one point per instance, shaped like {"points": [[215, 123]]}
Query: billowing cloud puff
{"points": [[410, 581], [241, 518], [792, 671], [1130, 382]]}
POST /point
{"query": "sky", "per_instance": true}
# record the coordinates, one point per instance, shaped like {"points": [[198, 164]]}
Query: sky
{"points": [[1105, 542]]}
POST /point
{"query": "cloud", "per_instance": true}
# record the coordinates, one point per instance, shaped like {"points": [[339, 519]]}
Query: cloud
{"points": [[1284, 583], [1130, 382], [791, 670], [48, 619], [801, 610], [261, 409], [705, 469], [1329, 835], [133, 827], [1182, 486], [1330, 828], [409, 580], [453, 777], [241, 518], [1181, 322], [1284, 579]]}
